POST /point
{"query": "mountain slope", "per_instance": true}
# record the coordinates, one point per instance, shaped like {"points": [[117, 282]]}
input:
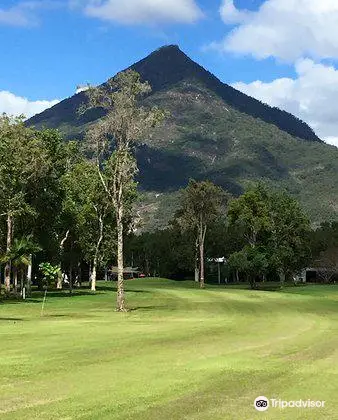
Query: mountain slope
{"points": [[164, 68], [218, 133]]}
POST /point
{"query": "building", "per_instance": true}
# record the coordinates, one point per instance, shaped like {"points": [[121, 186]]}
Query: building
{"points": [[128, 273]]}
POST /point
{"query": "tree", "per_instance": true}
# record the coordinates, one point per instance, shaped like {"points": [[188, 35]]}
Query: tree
{"points": [[50, 273], [249, 215], [201, 205], [275, 230], [324, 247], [323, 238], [40, 213], [125, 122], [289, 235], [251, 261], [23, 162], [87, 201], [328, 264], [165, 253], [20, 257]]}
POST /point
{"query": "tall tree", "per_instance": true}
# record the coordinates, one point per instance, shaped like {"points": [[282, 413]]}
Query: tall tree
{"points": [[87, 200], [249, 214], [23, 163], [201, 205], [125, 122], [275, 230], [20, 257], [52, 224], [289, 235]]}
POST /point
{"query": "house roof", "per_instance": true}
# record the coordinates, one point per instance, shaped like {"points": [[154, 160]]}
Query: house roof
{"points": [[126, 270]]}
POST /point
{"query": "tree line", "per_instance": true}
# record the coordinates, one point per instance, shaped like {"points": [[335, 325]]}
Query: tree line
{"points": [[72, 202], [262, 235], [69, 206]]}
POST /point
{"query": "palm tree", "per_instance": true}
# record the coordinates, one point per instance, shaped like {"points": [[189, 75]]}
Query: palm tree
{"points": [[20, 258]]}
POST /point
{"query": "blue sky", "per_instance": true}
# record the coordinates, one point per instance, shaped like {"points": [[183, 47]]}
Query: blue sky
{"points": [[283, 52], [48, 59]]}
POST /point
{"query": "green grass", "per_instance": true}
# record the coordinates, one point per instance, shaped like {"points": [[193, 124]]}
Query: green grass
{"points": [[181, 353]]}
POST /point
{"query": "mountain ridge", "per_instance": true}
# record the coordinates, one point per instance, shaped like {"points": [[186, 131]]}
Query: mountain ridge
{"points": [[209, 137], [176, 66]]}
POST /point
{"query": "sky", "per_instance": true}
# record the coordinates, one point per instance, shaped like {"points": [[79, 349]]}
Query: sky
{"points": [[283, 52]]}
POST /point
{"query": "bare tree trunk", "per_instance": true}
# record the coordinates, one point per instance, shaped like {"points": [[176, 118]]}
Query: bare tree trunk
{"points": [[8, 277], [71, 278], [59, 282], [97, 250], [105, 274], [282, 278], [79, 273], [202, 281], [90, 273], [29, 276], [93, 276], [21, 281], [15, 279], [197, 267], [8, 250], [62, 245], [203, 230], [120, 264], [197, 273]]}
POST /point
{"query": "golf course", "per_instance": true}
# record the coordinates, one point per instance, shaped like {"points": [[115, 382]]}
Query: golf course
{"points": [[179, 353]]}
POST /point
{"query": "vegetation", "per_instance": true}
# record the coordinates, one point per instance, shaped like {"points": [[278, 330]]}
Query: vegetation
{"points": [[78, 211], [201, 205], [324, 244], [124, 122], [50, 273], [275, 232], [92, 213]]}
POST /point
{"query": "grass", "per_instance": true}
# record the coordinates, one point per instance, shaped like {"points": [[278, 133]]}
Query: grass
{"points": [[180, 353]]}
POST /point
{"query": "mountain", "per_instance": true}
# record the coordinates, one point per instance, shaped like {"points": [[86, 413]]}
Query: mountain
{"points": [[214, 132], [167, 67]]}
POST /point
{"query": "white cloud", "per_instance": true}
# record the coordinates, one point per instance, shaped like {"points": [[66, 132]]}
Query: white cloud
{"points": [[17, 16], [230, 14], [332, 140], [16, 105], [131, 12], [24, 13], [285, 29], [312, 96]]}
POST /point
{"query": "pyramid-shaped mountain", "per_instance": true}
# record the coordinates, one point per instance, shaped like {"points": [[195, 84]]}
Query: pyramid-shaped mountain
{"points": [[168, 66], [215, 132]]}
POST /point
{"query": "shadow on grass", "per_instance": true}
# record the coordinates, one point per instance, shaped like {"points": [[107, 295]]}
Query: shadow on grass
{"points": [[145, 308], [136, 291], [260, 287], [37, 296], [13, 301], [75, 293], [113, 288], [11, 319]]}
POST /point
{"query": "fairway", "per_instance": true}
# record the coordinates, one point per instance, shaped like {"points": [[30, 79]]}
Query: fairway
{"points": [[180, 353]]}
